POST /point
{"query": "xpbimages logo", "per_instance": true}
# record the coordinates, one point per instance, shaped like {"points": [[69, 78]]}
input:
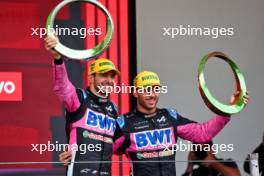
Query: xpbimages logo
{"points": [[10, 86]]}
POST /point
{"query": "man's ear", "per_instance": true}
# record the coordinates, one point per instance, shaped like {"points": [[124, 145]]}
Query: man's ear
{"points": [[91, 79]]}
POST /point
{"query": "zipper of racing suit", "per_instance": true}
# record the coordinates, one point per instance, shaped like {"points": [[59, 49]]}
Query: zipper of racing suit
{"points": [[102, 148], [102, 143], [154, 126]]}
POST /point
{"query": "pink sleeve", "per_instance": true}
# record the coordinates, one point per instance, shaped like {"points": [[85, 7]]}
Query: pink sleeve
{"points": [[201, 133], [64, 89]]}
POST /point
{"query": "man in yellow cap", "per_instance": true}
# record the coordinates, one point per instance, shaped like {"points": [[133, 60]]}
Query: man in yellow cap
{"points": [[149, 134], [147, 82], [90, 115]]}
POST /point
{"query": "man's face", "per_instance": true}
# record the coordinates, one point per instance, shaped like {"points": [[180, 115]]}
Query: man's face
{"points": [[103, 82], [147, 98]]}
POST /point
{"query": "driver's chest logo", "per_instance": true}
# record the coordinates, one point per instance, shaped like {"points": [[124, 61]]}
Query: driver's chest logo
{"points": [[153, 138], [100, 122]]}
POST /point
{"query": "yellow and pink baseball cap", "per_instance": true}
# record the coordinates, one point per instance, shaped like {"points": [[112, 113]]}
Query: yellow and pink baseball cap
{"points": [[146, 79], [102, 65]]}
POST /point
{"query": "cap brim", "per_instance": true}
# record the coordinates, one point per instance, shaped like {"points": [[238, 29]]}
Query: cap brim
{"points": [[147, 85], [111, 69]]}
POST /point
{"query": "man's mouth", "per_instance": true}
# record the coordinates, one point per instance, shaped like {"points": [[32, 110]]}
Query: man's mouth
{"points": [[151, 101]]}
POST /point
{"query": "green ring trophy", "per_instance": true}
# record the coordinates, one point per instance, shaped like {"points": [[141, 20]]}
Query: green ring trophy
{"points": [[211, 102], [81, 54]]}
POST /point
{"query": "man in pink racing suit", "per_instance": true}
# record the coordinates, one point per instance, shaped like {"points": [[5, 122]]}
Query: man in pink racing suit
{"points": [[148, 133], [90, 115]]}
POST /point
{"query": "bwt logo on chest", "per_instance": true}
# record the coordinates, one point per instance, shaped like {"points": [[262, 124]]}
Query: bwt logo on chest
{"points": [[153, 138], [101, 122]]}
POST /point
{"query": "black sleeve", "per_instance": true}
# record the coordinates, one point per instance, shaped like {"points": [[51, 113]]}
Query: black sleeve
{"points": [[118, 132], [58, 61], [116, 113], [80, 95]]}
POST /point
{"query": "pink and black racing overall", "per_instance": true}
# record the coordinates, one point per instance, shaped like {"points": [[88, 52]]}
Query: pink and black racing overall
{"points": [[90, 120]]}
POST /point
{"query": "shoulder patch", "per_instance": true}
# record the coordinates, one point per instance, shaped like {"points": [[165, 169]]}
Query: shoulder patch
{"points": [[121, 121], [84, 93], [130, 114], [172, 112]]}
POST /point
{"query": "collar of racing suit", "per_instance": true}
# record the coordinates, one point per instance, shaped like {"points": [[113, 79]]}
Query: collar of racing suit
{"points": [[99, 100], [151, 115]]}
